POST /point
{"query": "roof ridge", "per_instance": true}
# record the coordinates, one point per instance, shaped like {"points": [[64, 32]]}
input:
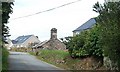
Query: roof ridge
{"points": [[85, 24], [21, 39], [87, 21]]}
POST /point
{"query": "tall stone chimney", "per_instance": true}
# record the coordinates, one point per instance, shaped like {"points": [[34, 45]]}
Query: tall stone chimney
{"points": [[53, 33]]}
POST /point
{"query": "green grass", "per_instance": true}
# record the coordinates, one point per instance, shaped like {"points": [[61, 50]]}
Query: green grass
{"points": [[0, 58], [63, 60], [51, 55], [5, 54], [58, 58], [3, 58]]}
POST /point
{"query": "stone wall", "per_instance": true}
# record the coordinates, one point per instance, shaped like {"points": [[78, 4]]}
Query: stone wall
{"points": [[109, 64], [54, 44]]}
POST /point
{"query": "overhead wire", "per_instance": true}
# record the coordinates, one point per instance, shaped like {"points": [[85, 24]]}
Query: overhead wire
{"points": [[47, 10]]}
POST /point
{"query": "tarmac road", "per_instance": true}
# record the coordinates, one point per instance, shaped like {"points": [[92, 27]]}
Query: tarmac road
{"points": [[24, 61]]}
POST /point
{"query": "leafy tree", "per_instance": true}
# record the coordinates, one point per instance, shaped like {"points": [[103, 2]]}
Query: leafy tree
{"points": [[109, 20], [6, 10]]}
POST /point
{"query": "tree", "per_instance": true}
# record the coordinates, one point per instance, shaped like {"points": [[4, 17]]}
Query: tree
{"points": [[6, 10], [109, 20]]}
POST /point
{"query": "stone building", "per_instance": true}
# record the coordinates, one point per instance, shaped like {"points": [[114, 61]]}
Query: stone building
{"points": [[53, 43]]}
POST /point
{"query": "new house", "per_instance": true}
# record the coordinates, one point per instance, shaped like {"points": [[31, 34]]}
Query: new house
{"points": [[25, 41], [85, 26]]}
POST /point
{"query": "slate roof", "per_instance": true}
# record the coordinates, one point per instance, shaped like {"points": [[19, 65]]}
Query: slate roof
{"points": [[86, 25], [40, 44], [21, 39]]}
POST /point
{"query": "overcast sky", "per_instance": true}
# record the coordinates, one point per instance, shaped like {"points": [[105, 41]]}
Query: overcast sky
{"points": [[65, 19]]}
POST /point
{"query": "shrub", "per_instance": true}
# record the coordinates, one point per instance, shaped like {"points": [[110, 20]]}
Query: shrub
{"points": [[86, 43], [92, 43], [76, 45]]}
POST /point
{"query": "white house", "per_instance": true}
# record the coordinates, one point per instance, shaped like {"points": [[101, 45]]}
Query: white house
{"points": [[25, 41]]}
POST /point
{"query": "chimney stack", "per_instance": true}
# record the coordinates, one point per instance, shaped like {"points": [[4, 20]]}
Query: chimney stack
{"points": [[53, 33]]}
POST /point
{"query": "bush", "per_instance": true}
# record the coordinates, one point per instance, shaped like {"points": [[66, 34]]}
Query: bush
{"points": [[76, 44], [86, 44], [92, 43]]}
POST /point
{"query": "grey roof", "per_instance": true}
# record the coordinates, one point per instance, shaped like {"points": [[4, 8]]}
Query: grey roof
{"points": [[40, 44], [86, 25], [21, 39], [14, 42]]}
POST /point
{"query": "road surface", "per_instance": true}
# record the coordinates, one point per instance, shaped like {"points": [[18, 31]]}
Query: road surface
{"points": [[25, 61]]}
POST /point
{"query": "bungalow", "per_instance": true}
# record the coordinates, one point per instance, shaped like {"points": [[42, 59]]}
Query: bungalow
{"points": [[85, 26], [25, 41]]}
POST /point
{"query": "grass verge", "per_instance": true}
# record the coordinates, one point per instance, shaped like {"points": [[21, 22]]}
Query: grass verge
{"points": [[58, 58], [5, 54]]}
